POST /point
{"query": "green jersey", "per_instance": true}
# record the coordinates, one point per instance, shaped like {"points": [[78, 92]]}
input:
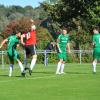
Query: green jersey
{"points": [[64, 39], [96, 49], [96, 40], [12, 42], [11, 48]]}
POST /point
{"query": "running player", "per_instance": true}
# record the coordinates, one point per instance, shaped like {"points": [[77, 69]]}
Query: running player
{"points": [[12, 42], [30, 46], [96, 47], [62, 43]]}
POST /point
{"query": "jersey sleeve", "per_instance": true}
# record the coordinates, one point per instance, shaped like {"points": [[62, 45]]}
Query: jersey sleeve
{"points": [[93, 40], [8, 38], [59, 37]]}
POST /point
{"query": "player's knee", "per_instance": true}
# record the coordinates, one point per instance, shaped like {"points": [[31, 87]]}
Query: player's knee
{"points": [[35, 56]]}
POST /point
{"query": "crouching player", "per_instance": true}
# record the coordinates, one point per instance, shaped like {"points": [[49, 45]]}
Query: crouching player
{"points": [[96, 47], [63, 47], [12, 42]]}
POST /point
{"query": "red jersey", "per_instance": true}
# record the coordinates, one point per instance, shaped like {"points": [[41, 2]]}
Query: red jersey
{"points": [[31, 38]]}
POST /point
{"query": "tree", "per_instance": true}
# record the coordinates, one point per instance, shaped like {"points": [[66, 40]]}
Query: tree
{"points": [[78, 15], [66, 12]]}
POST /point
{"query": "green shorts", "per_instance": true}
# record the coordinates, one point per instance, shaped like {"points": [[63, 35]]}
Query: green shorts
{"points": [[62, 55], [96, 53], [13, 55]]}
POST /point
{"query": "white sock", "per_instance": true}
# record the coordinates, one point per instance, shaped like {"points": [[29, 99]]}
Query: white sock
{"points": [[10, 70], [62, 68], [94, 66], [33, 63], [21, 66], [58, 67]]}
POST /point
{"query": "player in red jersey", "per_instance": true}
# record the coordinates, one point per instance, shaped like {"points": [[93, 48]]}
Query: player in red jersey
{"points": [[30, 46]]}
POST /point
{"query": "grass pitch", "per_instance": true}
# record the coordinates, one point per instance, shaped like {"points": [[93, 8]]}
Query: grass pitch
{"points": [[79, 83]]}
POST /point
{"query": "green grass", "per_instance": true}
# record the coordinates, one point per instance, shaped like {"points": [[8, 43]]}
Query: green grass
{"points": [[79, 83]]}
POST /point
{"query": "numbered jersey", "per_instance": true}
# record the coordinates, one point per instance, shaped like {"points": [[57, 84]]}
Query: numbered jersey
{"points": [[96, 40], [12, 42], [63, 40], [30, 38]]}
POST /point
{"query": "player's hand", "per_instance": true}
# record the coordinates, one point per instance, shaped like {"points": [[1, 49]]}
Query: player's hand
{"points": [[0, 47], [60, 50], [69, 51], [23, 44]]}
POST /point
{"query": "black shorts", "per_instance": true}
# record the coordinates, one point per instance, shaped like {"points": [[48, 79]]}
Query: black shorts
{"points": [[30, 49]]}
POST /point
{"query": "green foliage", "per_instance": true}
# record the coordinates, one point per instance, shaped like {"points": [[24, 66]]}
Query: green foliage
{"points": [[43, 37], [81, 39], [66, 12]]}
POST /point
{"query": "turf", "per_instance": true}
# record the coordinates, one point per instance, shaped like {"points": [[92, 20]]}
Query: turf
{"points": [[79, 83]]}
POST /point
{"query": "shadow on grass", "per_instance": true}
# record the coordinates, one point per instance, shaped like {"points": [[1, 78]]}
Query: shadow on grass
{"points": [[11, 76], [3, 75], [76, 73], [43, 72]]}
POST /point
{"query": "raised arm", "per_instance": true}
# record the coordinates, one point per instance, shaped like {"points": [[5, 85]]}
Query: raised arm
{"points": [[22, 39], [3, 42]]}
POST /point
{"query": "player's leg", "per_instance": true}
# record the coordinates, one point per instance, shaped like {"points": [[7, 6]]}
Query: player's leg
{"points": [[58, 70], [59, 63], [21, 67], [34, 57], [11, 69], [94, 63], [63, 63], [11, 64], [62, 68], [33, 62], [16, 57], [27, 53], [96, 56]]}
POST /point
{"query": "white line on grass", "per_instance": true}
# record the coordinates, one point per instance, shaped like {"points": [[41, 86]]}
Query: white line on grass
{"points": [[33, 78]]}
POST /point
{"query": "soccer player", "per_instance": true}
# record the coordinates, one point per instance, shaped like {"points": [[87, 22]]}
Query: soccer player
{"points": [[12, 42], [30, 46], [50, 46], [63, 47], [96, 47]]}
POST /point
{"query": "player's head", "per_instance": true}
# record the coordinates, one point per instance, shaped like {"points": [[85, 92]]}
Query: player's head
{"points": [[33, 27], [64, 30], [96, 30], [31, 20], [18, 34]]}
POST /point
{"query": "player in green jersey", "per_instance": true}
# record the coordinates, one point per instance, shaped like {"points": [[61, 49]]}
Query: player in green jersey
{"points": [[96, 47], [63, 47], [12, 42]]}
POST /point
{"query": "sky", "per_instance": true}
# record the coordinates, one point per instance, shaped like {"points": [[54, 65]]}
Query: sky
{"points": [[23, 3]]}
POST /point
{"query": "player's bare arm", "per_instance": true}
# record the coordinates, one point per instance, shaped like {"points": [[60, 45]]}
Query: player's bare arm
{"points": [[18, 45], [22, 39], [68, 48], [3, 42]]}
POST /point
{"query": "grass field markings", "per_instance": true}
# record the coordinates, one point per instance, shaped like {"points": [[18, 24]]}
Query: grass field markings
{"points": [[32, 78], [69, 64]]}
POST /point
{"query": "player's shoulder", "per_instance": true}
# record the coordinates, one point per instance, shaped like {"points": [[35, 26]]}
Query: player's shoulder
{"points": [[60, 35]]}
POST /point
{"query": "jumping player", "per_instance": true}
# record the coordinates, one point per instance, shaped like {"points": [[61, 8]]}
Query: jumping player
{"points": [[96, 47], [12, 42], [63, 47], [30, 46]]}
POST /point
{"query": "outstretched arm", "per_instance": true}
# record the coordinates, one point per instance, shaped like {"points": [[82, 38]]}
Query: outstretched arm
{"points": [[3, 42], [22, 39]]}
